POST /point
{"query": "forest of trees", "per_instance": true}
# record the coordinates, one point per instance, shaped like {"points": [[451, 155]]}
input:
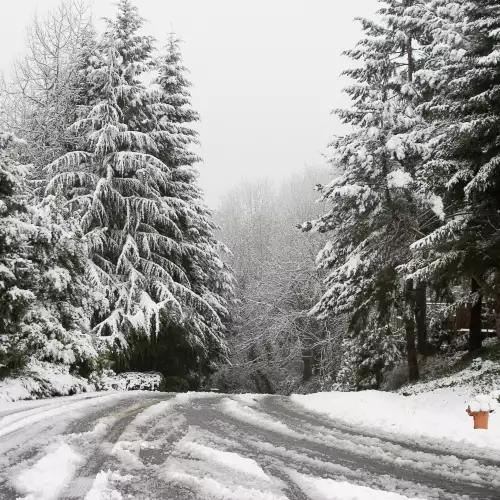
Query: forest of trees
{"points": [[410, 225], [107, 251], [110, 258]]}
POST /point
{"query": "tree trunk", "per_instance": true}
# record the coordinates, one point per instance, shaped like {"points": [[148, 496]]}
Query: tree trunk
{"points": [[268, 388], [410, 59], [497, 316], [409, 322], [475, 333], [497, 304], [307, 360], [421, 318], [257, 384]]}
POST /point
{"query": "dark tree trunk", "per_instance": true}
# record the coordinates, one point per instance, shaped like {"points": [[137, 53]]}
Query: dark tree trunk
{"points": [[421, 318], [475, 333], [497, 318], [410, 59], [268, 388], [497, 304], [258, 388], [409, 322], [307, 360]]}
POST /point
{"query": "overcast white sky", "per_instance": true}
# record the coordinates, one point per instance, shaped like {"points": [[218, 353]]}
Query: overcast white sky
{"points": [[265, 75]]}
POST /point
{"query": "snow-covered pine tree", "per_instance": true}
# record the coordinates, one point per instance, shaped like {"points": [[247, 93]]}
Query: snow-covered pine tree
{"points": [[45, 300], [140, 254], [171, 127], [462, 79], [377, 200], [115, 184], [14, 298], [57, 327]]}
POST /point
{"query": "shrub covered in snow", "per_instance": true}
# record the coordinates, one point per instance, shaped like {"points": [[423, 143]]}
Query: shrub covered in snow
{"points": [[131, 381], [42, 380]]}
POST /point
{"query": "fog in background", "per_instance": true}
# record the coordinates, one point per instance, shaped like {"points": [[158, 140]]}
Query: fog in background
{"points": [[265, 76]]}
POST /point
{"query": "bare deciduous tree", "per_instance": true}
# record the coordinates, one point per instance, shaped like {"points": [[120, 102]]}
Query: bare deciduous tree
{"points": [[276, 345], [39, 98]]}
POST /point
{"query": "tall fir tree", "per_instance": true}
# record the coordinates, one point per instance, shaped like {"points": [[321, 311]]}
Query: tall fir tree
{"points": [[462, 80], [378, 201], [208, 275], [170, 124], [150, 238]]}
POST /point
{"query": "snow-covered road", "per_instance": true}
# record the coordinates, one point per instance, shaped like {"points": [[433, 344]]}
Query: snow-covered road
{"points": [[206, 446]]}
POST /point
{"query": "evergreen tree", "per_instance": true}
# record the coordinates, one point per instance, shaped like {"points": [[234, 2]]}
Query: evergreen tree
{"points": [[141, 212], [44, 298], [14, 298], [209, 277], [378, 199], [115, 184], [462, 80], [170, 117]]}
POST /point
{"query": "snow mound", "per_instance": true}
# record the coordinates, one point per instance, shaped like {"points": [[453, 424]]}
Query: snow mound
{"points": [[42, 380], [317, 488], [484, 402], [102, 488], [46, 479]]}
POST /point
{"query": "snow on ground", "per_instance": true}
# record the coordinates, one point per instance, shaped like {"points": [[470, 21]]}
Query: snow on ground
{"points": [[224, 458], [481, 376], [439, 415], [15, 420], [212, 447], [204, 465], [42, 380], [45, 380], [103, 486], [317, 488], [446, 466], [48, 477]]}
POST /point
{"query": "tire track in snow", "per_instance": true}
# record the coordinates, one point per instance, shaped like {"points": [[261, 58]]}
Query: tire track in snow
{"points": [[198, 445], [75, 424], [284, 405], [280, 456], [346, 453], [449, 465], [98, 455]]}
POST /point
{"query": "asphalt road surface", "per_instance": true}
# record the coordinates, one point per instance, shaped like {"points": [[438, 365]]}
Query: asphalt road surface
{"points": [[147, 446]]}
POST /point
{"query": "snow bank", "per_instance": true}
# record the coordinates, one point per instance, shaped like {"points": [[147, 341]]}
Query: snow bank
{"points": [[46, 380], [439, 415], [42, 380]]}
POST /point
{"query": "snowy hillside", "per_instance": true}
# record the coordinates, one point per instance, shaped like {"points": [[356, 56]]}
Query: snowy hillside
{"points": [[432, 413]]}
